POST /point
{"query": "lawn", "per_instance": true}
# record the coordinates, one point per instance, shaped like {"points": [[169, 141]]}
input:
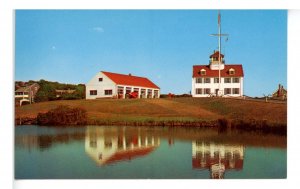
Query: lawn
{"points": [[167, 109]]}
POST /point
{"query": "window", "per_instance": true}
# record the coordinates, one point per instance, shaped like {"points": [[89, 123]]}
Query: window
{"points": [[108, 143], [216, 80], [227, 91], [155, 93], [207, 91], [108, 92], [100, 79], [203, 72], [199, 80], [149, 95], [128, 90], [143, 93], [120, 90], [235, 80], [206, 80], [231, 71], [93, 143], [227, 80], [198, 91], [236, 90], [93, 92]]}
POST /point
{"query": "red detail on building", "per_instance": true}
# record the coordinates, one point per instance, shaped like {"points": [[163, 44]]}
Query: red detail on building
{"points": [[209, 161], [216, 55], [121, 79], [129, 154], [238, 69], [133, 95]]}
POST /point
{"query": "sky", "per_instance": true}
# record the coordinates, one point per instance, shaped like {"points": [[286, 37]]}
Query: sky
{"points": [[71, 46]]}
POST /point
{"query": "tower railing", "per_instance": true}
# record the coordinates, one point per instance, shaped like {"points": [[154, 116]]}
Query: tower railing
{"points": [[223, 61]]}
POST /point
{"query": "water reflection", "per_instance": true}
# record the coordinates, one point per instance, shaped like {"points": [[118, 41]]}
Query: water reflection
{"points": [[153, 152], [43, 141], [217, 157], [107, 146]]}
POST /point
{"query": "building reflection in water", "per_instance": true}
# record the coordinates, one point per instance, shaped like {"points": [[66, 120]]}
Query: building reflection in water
{"points": [[107, 147], [217, 157]]}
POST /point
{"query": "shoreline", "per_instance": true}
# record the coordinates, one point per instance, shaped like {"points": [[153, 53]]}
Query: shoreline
{"points": [[221, 124], [220, 113]]}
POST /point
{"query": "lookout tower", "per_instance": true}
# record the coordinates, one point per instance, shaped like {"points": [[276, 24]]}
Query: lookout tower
{"points": [[215, 63]]}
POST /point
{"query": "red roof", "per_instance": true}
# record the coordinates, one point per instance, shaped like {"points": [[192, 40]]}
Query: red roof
{"points": [[209, 161], [216, 55], [129, 154], [215, 73], [121, 79]]}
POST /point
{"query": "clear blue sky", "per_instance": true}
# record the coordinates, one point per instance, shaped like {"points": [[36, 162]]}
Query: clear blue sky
{"points": [[163, 45]]}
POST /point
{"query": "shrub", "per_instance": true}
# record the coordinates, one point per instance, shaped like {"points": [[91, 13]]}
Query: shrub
{"points": [[63, 115]]}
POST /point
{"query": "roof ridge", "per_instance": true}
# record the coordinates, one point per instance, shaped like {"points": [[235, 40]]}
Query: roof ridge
{"points": [[124, 74], [224, 65], [130, 80]]}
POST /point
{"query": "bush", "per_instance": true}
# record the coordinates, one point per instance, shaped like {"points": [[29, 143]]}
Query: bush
{"points": [[63, 115]]}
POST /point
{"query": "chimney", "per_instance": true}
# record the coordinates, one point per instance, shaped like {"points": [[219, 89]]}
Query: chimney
{"points": [[129, 74], [279, 91]]}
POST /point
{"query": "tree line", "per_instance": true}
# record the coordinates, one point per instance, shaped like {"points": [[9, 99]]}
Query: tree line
{"points": [[47, 91]]}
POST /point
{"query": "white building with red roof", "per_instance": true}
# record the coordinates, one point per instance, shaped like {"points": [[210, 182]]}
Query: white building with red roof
{"points": [[205, 81], [114, 85], [216, 78]]}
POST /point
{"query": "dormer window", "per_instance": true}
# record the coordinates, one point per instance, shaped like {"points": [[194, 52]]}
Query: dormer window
{"points": [[203, 72], [231, 71]]}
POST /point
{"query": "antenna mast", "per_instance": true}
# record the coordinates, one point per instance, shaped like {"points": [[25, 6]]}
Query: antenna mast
{"points": [[219, 35], [219, 27]]}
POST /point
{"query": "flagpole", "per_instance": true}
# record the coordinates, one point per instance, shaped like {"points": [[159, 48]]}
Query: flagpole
{"points": [[219, 27], [220, 39]]}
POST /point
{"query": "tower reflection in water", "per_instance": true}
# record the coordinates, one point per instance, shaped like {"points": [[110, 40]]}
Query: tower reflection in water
{"points": [[107, 146], [217, 157]]}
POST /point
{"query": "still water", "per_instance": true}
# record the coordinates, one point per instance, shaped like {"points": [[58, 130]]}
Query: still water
{"points": [[119, 152]]}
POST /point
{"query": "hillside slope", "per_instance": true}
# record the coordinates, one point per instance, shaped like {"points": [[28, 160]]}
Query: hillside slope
{"points": [[177, 109]]}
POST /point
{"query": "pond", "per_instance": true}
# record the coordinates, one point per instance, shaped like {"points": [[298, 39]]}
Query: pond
{"points": [[119, 152]]}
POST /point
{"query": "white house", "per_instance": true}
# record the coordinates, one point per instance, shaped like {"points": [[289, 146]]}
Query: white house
{"points": [[26, 93], [205, 80], [114, 85]]}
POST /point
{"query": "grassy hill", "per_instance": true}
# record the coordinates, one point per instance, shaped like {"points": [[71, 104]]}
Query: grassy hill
{"points": [[168, 109]]}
